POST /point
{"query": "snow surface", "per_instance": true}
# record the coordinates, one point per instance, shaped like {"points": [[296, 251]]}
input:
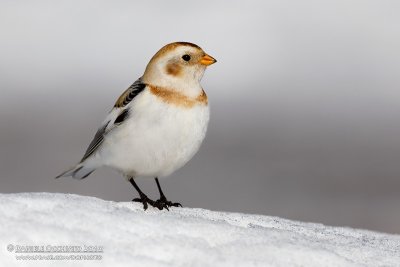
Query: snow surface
{"points": [[181, 237]]}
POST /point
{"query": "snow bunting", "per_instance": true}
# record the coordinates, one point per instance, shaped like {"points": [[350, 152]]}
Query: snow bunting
{"points": [[157, 125]]}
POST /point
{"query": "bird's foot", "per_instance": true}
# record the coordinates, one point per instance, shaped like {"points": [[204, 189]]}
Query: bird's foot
{"points": [[145, 200], [162, 202]]}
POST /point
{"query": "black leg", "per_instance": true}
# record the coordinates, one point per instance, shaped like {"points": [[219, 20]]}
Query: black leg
{"points": [[142, 197], [159, 188], [163, 202]]}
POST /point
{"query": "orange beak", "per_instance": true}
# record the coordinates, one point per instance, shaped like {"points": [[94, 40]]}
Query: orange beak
{"points": [[207, 60]]}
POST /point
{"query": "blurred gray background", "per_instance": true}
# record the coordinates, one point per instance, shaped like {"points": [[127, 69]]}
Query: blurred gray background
{"points": [[305, 102]]}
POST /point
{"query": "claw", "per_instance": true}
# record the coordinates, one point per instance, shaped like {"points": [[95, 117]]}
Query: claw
{"points": [[145, 200], [161, 205], [176, 204], [164, 203]]}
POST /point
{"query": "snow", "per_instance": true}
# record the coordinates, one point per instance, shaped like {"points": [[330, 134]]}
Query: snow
{"points": [[130, 236]]}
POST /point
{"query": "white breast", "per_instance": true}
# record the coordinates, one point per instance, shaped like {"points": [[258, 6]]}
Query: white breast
{"points": [[157, 139]]}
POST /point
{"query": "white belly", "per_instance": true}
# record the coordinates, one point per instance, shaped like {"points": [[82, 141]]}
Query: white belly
{"points": [[156, 139]]}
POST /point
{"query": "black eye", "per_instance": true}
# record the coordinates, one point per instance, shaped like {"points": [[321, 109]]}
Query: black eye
{"points": [[186, 57]]}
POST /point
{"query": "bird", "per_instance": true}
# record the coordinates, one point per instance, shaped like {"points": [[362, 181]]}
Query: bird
{"points": [[156, 125]]}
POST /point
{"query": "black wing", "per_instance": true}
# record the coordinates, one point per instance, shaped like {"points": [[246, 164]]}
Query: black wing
{"points": [[130, 94], [116, 117], [96, 142]]}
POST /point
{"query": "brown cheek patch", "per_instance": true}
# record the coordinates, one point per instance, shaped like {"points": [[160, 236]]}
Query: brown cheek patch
{"points": [[178, 99], [173, 69]]}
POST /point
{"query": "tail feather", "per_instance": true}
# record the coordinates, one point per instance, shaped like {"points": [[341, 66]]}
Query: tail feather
{"points": [[79, 172]]}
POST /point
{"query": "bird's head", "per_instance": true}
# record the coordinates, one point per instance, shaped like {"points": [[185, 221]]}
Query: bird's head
{"points": [[178, 66]]}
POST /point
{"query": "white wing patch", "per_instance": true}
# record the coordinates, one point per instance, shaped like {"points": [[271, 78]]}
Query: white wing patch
{"points": [[116, 117]]}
